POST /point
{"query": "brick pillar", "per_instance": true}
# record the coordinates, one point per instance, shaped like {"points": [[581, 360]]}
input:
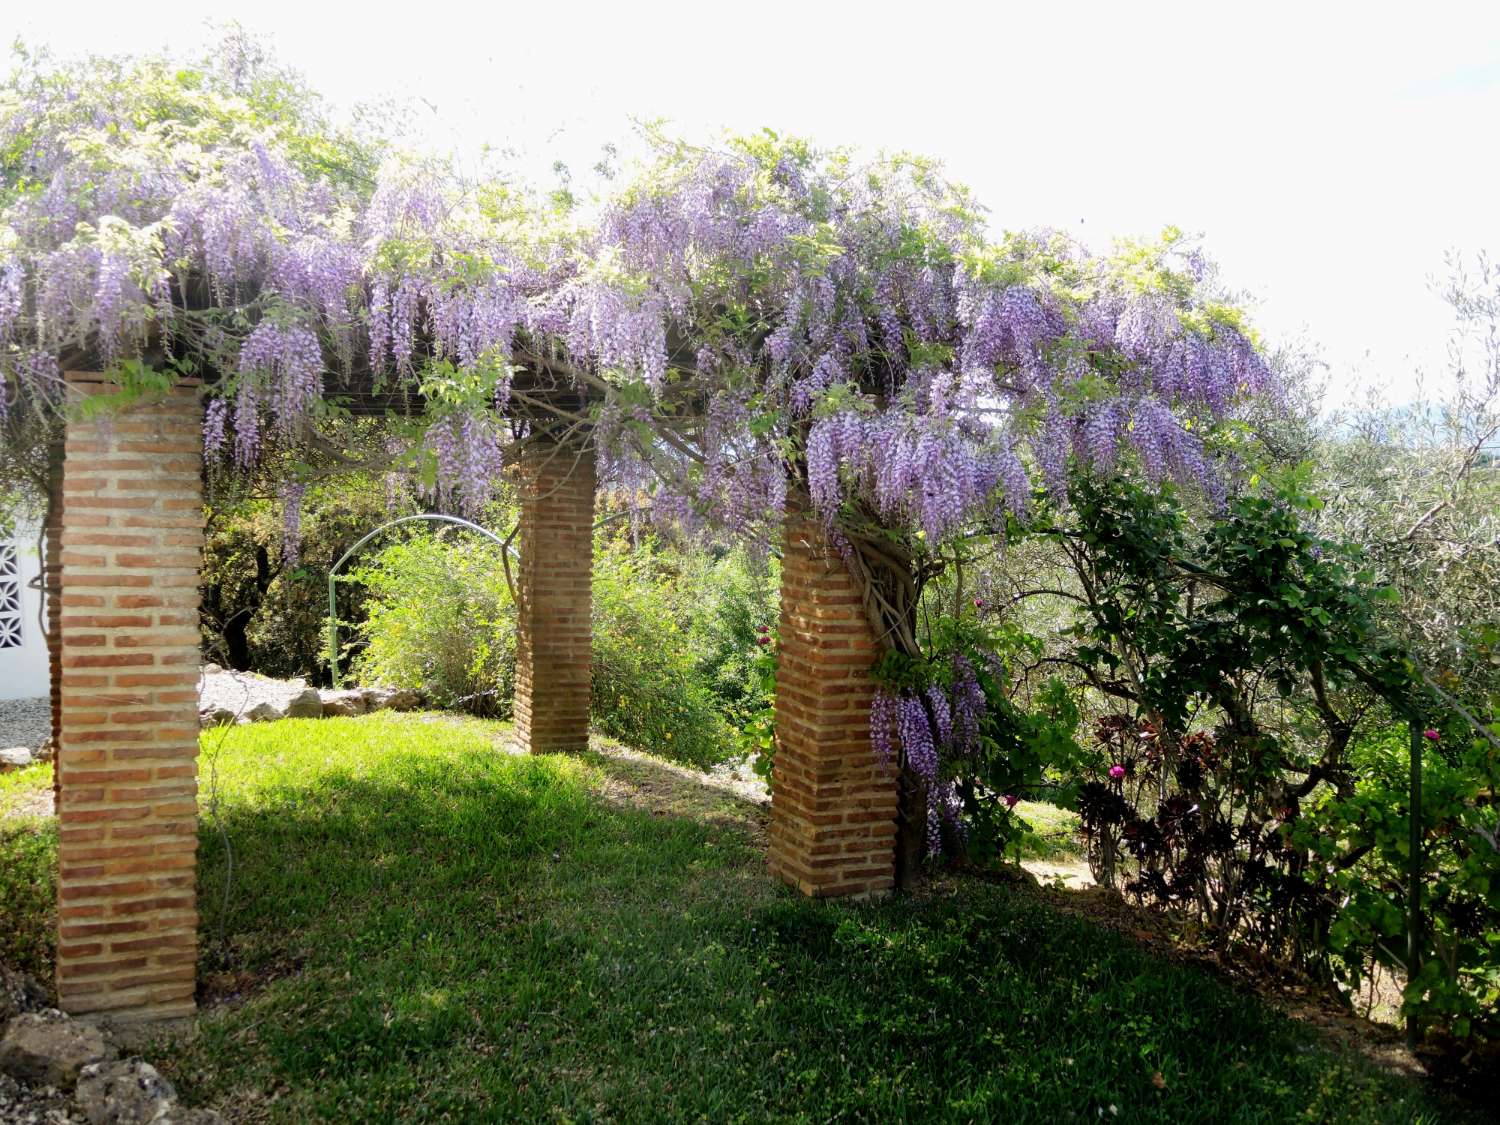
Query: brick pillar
{"points": [[52, 589], [127, 763], [554, 629], [833, 805]]}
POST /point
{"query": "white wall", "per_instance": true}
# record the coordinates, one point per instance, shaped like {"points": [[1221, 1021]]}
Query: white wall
{"points": [[23, 641]]}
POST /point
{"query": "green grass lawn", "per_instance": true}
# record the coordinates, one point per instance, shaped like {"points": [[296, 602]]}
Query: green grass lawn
{"points": [[421, 927], [1052, 833], [28, 859]]}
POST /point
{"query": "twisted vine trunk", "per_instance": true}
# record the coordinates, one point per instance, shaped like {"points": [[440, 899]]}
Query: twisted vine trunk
{"points": [[883, 566]]}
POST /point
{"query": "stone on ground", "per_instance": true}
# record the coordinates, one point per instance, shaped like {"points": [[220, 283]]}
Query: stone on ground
{"points": [[35, 1105], [392, 699], [241, 692], [266, 712], [49, 1049], [15, 758], [343, 704], [376, 698], [215, 717], [19, 993], [306, 704], [128, 1092]]}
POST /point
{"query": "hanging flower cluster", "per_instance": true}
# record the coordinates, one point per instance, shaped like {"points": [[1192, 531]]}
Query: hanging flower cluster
{"points": [[927, 728]]}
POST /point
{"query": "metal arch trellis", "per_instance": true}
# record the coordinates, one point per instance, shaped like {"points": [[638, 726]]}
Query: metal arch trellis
{"points": [[333, 614]]}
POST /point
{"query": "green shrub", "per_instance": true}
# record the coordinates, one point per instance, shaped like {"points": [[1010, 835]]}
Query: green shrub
{"points": [[1458, 987], [440, 619], [28, 874], [729, 603], [652, 641], [675, 637]]}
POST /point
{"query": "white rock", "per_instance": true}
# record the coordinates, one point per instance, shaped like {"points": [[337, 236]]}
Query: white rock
{"points": [[129, 1092], [15, 758]]}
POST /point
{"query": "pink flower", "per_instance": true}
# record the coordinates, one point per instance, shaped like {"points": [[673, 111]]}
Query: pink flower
{"points": [[1117, 771], [762, 640], [1011, 800], [1430, 734], [978, 603]]}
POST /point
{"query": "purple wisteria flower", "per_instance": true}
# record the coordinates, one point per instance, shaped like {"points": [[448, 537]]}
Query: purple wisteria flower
{"points": [[733, 319], [883, 721], [917, 742], [292, 494]]}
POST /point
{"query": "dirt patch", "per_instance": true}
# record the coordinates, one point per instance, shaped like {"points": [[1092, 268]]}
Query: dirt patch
{"points": [[29, 806], [1074, 876], [235, 986]]}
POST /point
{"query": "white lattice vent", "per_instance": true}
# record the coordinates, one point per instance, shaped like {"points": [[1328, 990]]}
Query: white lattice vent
{"points": [[10, 596]]}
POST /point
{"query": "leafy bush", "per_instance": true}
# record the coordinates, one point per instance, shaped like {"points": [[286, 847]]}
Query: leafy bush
{"points": [[1248, 766], [1458, 986], [675, 637], [28, 875], [728, 601], [1241, 677], [653, 643], [441, 620]]}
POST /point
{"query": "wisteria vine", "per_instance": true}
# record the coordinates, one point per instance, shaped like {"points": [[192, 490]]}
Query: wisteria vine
{"points": [[734, 325]]}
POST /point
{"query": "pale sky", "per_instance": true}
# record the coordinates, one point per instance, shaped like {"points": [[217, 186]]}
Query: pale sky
{"points": [[1328, 153]]}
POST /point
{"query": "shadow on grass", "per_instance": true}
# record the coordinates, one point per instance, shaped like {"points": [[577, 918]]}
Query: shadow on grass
{"points": [[473, 935]]}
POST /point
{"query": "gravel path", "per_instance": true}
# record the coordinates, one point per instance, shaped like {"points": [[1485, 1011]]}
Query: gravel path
{"points": [[25, 722]]}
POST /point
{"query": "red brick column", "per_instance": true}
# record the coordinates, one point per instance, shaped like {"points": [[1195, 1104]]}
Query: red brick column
{"points": [[554, 630], [127, 763], [833, 806], [52, 588]]}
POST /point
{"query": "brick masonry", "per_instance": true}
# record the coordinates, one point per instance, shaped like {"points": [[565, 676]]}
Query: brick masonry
{"points": [[132, 541], [833, 809], [554, 631], [52, 587]]}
